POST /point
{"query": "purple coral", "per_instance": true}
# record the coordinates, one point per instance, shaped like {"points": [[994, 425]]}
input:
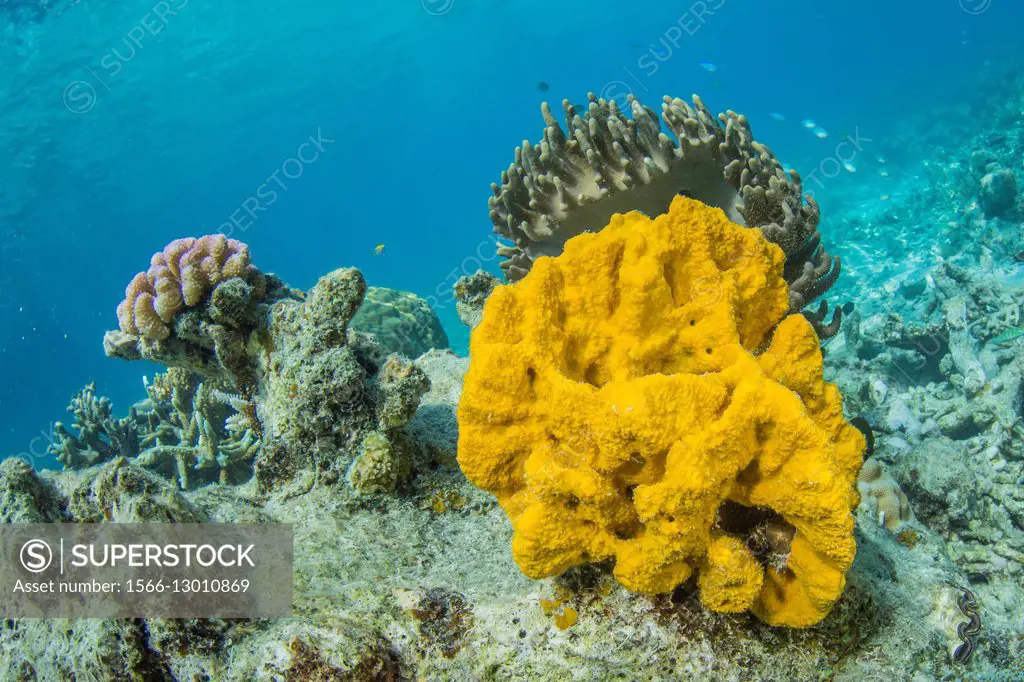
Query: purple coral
{"points": [[180, 276]]}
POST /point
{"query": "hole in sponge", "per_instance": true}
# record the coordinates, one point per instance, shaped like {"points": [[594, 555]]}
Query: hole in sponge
{"points": [[765, 533]]}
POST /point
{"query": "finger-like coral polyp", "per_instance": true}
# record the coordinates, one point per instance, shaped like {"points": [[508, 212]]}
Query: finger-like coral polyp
{"points": [[181, 275], [621, 395]]}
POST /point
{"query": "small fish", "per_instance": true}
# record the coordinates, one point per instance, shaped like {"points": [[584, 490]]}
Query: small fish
{"points": [[379, 249], [884, 197], [1019, 257], [861, 424], [808, 123], [708, 66], [850, 168], [884, 173], [777, 116], [848, 307], [1009, 335], [820, 133], [881, 159], [543, 86]]}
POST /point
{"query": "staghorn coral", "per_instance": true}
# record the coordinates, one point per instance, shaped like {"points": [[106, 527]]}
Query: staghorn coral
{"points": [[609, 163], [621, 394], [199, 429], [186, 430], [100, 436], [400, 321]]}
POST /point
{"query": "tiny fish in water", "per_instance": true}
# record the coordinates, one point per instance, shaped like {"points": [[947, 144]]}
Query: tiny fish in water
{"points": [[379, 250], [777, 116], [543, 86], [708, 66], [820, 133], [848, 307], [1019, 257], [850, 168], [1009, 335], [808, 123]]}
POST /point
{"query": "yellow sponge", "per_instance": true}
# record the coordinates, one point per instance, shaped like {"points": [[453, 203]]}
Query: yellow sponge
{"points": [[626, 398]]}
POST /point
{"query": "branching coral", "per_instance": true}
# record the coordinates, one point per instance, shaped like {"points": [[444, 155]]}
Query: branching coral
{"points": [[100, 435], [624, 395], [609, 163], [200, 429], [185, 430]]}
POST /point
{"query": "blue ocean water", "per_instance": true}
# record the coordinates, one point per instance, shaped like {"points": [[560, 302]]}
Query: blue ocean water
{"points": [[126, 125]]}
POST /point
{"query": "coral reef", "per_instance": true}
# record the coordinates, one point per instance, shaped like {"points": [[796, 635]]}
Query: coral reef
{"points": [[401, 591], [422, 585], [309, 395], [400, 322], [620, 403], [606, 162]]}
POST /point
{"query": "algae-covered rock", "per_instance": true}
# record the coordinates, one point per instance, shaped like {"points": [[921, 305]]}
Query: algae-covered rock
{"points": [[24, 496], [380, 466], [402, 322], [324, 389], [471, 293], [998, 193], [119, 492]]}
